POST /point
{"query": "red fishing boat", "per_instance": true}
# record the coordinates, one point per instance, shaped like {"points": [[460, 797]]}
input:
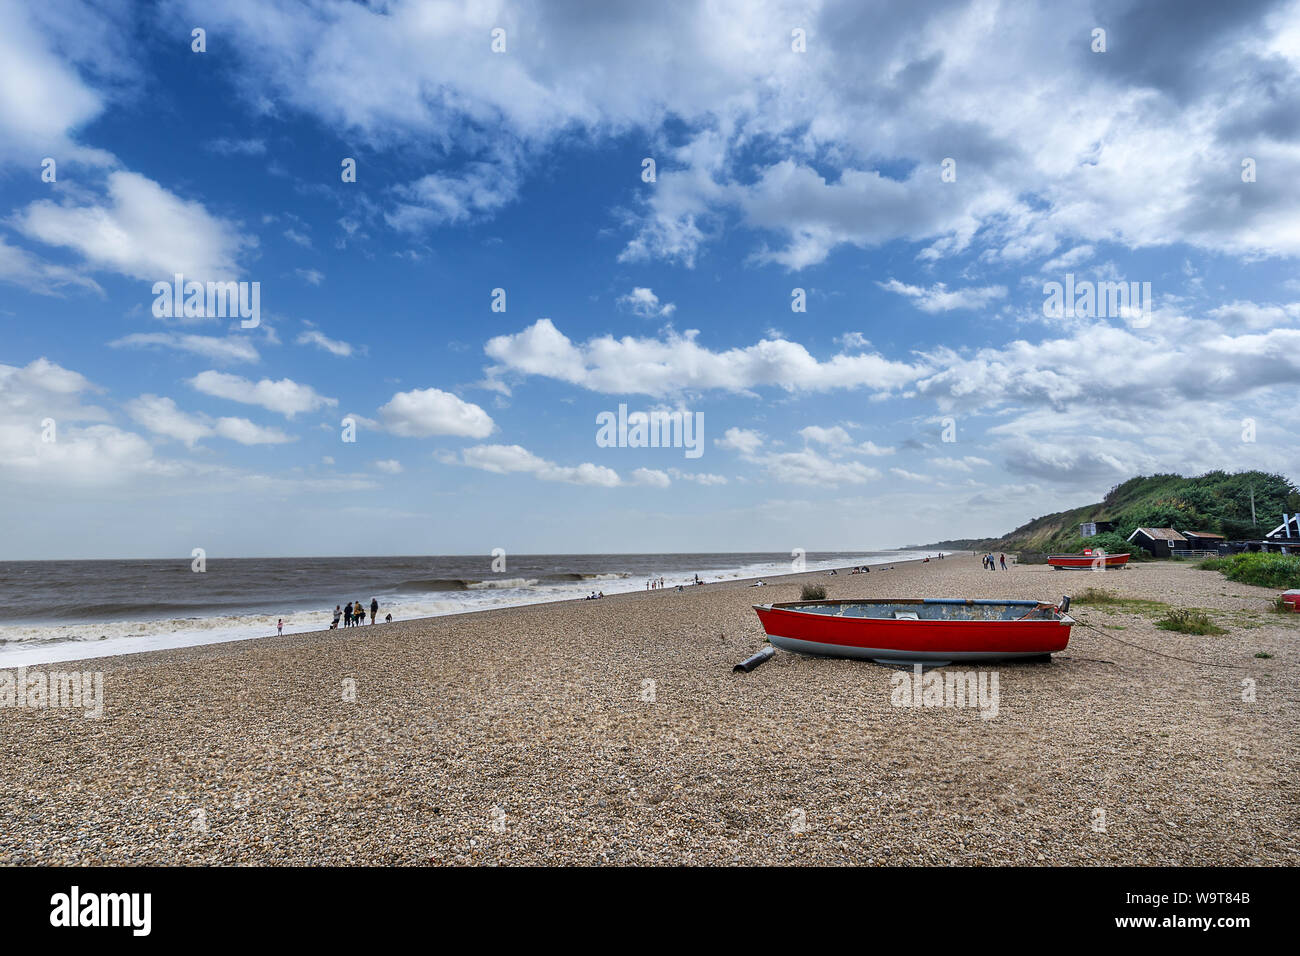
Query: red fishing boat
{"points": [[1101, 560], [930, 630]]}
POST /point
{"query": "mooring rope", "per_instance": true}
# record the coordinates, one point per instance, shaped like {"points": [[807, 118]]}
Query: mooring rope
{"points": [[1172, 657]]}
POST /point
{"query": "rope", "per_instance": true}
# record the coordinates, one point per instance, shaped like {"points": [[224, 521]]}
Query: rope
{"points": [[1185, 660]]}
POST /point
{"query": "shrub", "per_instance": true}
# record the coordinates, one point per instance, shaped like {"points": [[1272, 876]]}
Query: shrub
{"points": [[1188, 621], [812, 592], [1263, 570]]}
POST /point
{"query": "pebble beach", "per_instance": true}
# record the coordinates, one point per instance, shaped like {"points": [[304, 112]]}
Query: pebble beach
{"points": [[614, 732]]}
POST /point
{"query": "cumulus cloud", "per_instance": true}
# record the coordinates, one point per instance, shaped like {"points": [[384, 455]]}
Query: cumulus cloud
{"points": [[1053, 146], [675, 362], [652, 477], [834, 436], [643, 302], [162, 416], [287, 397], [938, 298], [140, 230], [745, 441], [425, 412], [389, 466], [808, 467], [509, 459]]}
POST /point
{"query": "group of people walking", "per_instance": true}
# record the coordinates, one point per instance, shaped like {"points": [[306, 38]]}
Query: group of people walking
{"points": [[991, 563], [354, 613]]}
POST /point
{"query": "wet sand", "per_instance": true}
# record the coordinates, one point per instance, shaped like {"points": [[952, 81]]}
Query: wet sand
{"points": [[614, 731]]}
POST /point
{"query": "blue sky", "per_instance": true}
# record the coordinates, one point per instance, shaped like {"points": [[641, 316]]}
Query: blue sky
{"points": [[923, 394]]}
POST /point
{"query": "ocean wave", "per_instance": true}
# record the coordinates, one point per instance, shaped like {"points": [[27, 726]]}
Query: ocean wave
{"points": [[434, 584], [504, 583]]}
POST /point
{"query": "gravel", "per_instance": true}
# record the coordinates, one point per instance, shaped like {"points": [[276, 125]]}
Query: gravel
{"points": [[614, 732]]}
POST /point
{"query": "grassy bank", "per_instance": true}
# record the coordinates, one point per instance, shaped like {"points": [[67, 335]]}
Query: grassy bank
{"points": [[1265, 570]]}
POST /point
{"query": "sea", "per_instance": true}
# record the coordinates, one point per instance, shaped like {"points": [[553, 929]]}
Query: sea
{"points": [[69, 610]]}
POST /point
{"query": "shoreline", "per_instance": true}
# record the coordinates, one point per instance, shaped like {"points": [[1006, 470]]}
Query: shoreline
{"points": [[224, 626], [614, 731]]}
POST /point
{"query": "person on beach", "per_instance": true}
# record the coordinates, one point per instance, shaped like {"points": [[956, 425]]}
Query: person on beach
{"points": [[358, 614], [279, 627], [1003, 559], [338, 613], [388, 619], [374, 610], [347, 614]]}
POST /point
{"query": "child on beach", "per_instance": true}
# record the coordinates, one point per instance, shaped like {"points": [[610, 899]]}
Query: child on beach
{"points": [[279, 627]]}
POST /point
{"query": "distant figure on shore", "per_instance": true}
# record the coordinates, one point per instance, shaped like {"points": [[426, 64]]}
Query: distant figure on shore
{"points": [[388, 619], [347, 614], [358, 614], [1003, 558], [338, 613], [279, 626], [374, 610]]}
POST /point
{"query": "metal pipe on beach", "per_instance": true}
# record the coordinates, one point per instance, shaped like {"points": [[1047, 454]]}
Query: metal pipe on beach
{"points": [[749, 663]]}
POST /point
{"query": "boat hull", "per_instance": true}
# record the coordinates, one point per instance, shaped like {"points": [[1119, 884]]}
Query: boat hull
{"points": [[937, 640], [1081, 561]]}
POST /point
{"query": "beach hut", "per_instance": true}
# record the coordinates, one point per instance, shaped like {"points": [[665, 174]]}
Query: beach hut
{"points": [[1090, 528], [1289, 528], [1204, 541], [1160, 542]]}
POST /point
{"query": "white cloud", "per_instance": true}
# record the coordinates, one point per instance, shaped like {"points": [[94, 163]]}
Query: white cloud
{"points": [[743, 440], [834, 436], [42, 389], [807, 467], [1069, 259], [876, 451], [652, 477], [937, 298], [1063, 149], [310, 276], [1239, 315], [141, 231], [247, 433], [43, 99], [161, 416], [421, 413], [390, 466], [36, 275], [286, 396], [967, 463], [507, 459], [643, 302], [700, 478], [677, 362], [320, 340], [232, 348], [911, 475]]}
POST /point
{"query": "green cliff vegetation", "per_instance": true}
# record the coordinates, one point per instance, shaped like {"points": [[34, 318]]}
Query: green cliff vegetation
{"points": [[1215, 502]]}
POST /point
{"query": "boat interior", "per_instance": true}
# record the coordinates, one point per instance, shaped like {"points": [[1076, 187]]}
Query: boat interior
{"points": [[893, 611]]}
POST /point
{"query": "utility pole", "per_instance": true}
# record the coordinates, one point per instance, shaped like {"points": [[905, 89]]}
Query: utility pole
{"points": [[1252, 505]]}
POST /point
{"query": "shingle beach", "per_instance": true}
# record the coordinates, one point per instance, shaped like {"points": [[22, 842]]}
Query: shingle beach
{"points": [[615, 732]]}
